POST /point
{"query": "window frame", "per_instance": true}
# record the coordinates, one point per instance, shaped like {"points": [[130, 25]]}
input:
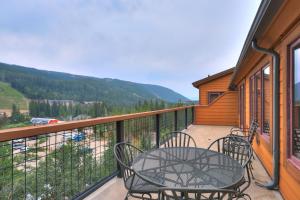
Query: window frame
{"points": [[209, 101], [242, 104], [255, 109], [290, 106], [251, 96], [265, 135]]}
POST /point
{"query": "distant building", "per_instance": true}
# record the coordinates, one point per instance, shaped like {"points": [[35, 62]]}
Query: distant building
{"points": [[3, 114], [51, 102], [43, 121], [92, 102], [65, 102]]}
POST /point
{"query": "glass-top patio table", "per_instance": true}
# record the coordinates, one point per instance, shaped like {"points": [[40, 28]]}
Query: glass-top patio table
{"points": [[189, 167]]}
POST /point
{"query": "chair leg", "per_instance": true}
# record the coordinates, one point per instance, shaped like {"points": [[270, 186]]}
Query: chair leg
{"points": [[243, 196], [145, 198], [247, 181], [251, 172], [160, 196], [126, 197], [251, 169]]}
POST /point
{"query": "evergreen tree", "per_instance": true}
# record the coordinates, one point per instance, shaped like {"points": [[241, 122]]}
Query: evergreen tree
{"points": [[16, 116]]}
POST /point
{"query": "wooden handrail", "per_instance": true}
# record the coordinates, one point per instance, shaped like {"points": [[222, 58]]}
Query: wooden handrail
{"points": [[30, 131]]}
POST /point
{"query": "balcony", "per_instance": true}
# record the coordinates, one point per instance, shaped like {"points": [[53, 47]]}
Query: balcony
{"points": [[74, 160], [204, 135]]}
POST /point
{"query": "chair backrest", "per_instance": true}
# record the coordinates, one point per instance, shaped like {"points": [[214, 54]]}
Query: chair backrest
{"points": [[235, 147], [178, 139], [196, 194], [252, 130], [125, 154]]}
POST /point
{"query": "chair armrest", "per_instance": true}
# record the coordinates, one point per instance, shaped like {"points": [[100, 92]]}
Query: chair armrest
{"points": [[245, 137], [234, 129], [237, 133]]}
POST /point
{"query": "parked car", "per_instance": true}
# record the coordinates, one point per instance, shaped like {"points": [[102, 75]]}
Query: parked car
{"points": [[18, 145], [67, 136], [24, 148], [78, 137], [18, 140], [43, 121]]}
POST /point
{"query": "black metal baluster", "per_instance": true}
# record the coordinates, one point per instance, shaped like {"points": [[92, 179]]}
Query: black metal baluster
{"points": [[175, 120], [46, 168], [64, 164], [12, 169], [90, 166], [36, 167], [186, 117], [71, 162], [78, 162], [193, 114], [25, 171], [157, 125], [55, 165], [95, 157], [100, 154], [120, 138]]}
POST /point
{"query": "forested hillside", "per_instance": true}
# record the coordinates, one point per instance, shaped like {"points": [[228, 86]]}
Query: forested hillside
{"points": [[41, 84]]}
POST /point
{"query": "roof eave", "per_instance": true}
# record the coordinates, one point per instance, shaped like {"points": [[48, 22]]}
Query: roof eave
{"points": [[196, 84], [265, 14]]}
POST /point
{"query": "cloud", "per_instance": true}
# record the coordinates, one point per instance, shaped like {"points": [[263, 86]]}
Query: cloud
{"points": [[167, 42]]}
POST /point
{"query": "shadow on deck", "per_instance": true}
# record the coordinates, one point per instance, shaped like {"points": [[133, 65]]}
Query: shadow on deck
{"points": [[203, 136]]}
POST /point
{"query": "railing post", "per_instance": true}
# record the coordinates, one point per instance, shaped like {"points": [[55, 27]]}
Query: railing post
{"points": [[193, 114], [175, 120], [120, 138], [157, 130], [186, 117]]}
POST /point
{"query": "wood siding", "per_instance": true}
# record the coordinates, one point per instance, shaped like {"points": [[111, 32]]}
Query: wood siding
{"points": [[284, 29], [218, 85], [223, 111]]}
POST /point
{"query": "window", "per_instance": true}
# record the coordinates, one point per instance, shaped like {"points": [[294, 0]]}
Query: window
{"points": [[266, 100], [257, 97], [294, 100], [242, 105], [213, 95], [252, 98]]}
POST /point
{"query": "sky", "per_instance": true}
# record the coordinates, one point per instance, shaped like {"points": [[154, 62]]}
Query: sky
{"points": [[165, 42]]}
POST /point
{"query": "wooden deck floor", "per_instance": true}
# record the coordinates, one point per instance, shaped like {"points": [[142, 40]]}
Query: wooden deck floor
{"points": [[204, 135]]}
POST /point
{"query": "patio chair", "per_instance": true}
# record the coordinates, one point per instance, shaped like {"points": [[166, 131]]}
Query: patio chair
{"points": [[241, 151], [196, 194], [137, 187], [246, 133], [178, 139]]}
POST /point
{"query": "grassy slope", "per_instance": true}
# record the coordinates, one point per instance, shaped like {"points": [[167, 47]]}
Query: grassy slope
{"points": [[9, 96]]}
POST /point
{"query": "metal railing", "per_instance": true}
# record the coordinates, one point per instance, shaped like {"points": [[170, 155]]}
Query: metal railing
{"points": [[72, 159]]}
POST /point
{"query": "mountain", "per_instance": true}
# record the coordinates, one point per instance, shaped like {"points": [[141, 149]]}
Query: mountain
{"points": [[41, 84]]}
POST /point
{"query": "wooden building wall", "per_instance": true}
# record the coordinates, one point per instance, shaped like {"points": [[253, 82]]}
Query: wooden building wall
{"points": [[218, 85], [283, 31], [223, 111]]}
